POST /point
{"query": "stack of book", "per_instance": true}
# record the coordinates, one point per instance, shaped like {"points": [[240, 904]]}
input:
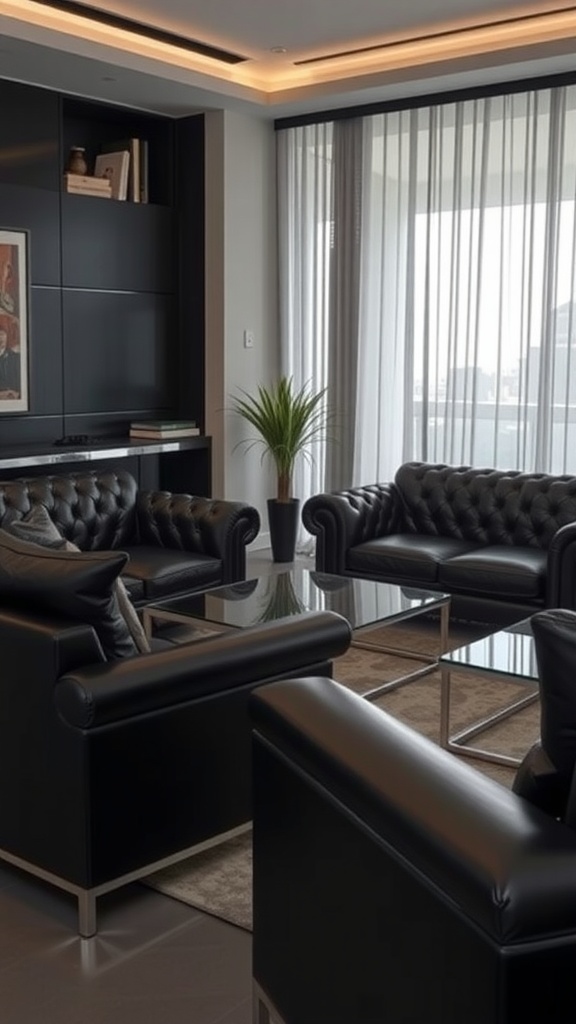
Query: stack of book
{"points": [[163, 430], [87, 185]]}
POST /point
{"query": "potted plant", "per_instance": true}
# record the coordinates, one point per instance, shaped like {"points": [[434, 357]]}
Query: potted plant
{"points": [[288, 421]]}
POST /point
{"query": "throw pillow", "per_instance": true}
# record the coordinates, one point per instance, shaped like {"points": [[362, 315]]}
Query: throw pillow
{"points": [[78, 585], [130, 616], [125, 607], [37, 527]]}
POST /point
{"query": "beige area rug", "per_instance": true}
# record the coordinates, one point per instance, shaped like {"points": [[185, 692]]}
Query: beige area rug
{"points": [[219, 881]]}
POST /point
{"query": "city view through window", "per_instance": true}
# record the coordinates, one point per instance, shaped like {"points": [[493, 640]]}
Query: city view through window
{"points": [[493, 364]]}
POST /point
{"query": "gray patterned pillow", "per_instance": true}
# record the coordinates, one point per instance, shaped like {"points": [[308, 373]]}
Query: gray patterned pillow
{"points": [[36, 527]]}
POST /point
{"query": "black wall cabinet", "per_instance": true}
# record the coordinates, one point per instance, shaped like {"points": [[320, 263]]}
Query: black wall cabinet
{"points": [[116, 288]]}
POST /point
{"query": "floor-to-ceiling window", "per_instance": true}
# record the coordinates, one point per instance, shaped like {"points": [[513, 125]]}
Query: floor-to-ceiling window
{"points": [[428, 278]]}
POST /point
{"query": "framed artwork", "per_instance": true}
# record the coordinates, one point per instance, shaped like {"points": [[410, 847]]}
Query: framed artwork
{"points": [[14, 361]]}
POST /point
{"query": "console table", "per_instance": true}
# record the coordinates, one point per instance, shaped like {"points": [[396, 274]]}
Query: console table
{"points": [[182, 465]]}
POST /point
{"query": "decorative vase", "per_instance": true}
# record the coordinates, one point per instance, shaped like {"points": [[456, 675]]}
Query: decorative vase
{"points": [[77, 161], [283, 523]]}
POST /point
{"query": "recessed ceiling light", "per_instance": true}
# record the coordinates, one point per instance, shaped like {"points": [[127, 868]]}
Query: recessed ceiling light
{"points": [[278, 49]]}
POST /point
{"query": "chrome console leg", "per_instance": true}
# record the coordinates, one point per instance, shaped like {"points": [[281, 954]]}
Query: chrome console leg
{"points": [[86, 914], [444, 627], [444, 706], [263, 1012]]}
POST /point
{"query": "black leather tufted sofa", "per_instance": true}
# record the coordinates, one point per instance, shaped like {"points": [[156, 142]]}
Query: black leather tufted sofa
{"points": [[503, 543], [110, 770], [176, 542], [393, 882]]}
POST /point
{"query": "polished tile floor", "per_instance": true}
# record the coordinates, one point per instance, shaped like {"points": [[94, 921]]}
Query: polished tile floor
{"points": [[153, 961]]}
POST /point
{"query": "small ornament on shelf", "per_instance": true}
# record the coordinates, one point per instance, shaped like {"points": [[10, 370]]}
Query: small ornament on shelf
{"points": [[77, 160]]}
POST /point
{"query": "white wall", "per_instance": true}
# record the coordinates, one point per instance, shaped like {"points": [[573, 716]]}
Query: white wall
{"points": [[241, 294]]}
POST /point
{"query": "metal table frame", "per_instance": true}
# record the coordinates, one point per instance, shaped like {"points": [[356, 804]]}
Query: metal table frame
{"points": [[458, 743], [443, 605]]}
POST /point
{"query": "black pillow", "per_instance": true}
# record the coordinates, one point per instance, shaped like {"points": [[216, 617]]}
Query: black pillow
{"points": [[77, 585], [37, 528]]}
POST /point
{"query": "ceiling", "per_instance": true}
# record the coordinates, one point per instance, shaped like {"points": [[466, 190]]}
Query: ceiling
{"points": [[296, 56]]}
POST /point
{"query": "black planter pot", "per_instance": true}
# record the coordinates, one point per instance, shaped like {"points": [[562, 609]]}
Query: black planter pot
{"points": [[283, 523]]}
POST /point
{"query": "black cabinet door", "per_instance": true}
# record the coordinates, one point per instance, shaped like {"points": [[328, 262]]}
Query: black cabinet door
{"points": [[117, 351], [37, 211], [118, 245], [30, 132]]}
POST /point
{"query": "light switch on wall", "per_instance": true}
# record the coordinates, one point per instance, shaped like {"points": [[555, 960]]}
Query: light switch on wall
{"points": [[248, 339]]}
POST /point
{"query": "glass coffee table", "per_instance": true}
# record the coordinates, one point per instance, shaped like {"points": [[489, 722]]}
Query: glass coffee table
{"points": [[366, 604], [509, 654]]}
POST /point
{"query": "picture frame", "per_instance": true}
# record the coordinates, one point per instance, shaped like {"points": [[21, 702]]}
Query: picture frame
{"points": [[14, 321]]}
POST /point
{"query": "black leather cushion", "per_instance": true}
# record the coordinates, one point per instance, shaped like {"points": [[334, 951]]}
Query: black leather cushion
{"points": [[38, 528], [164, 571], [503, 570], [76, 585], [545, 777], [538, 781], [405, 555], [554, 633], [125, 607], [134, 587]]}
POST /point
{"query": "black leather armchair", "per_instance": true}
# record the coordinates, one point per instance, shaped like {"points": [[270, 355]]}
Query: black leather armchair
{"points": [[393, 882], [110, 770], [176, 542]]}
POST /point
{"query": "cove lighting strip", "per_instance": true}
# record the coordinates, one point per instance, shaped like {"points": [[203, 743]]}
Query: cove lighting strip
{"points": [[385, 55]]}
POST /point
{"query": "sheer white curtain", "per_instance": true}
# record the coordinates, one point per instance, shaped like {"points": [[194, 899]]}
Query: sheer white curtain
{"points": [[305, 190], [442, 312]]}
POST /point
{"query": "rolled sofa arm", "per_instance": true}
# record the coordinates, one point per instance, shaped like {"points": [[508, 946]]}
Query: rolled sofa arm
{"points": [[561, 569], [97, 695], [501, 861], [341, 519], [208, 526]]}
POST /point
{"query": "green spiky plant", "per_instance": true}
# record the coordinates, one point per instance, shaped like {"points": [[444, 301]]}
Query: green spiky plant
{"points": [[281, 598], [288, 422]]}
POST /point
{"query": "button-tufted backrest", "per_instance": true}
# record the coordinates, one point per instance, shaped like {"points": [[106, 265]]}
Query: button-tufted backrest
{"points": [[96, 511], [488, 506]]}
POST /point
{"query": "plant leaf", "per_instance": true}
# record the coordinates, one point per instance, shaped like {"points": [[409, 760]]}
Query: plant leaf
{"points": [[288, 423]]}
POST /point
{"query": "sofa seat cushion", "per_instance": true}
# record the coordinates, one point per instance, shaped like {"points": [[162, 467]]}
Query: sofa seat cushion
{"points": [[134, 588], [405, 555], [165, 571], [499, 570]]}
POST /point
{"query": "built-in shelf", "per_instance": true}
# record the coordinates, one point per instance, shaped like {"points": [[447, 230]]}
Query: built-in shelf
{"points": [[25, 456]]}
